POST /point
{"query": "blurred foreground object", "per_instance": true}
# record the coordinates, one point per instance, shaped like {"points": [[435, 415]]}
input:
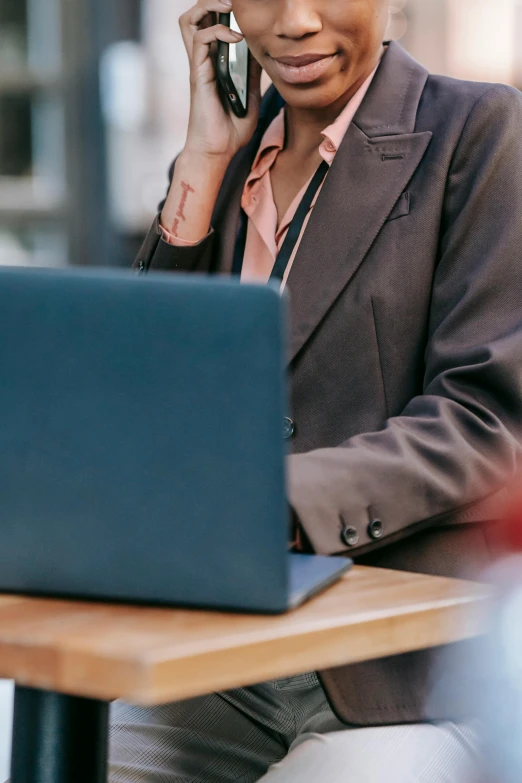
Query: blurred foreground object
{"points": [[509, 534], [488, 672], [500, 702]]}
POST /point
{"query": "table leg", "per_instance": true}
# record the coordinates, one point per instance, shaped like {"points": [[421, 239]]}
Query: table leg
{"points": [[58, 739]]}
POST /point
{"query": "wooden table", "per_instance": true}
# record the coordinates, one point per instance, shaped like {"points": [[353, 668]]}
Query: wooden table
{"points": [[70, 659]]}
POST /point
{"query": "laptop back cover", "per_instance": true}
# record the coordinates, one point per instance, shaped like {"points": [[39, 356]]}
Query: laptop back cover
{"points": [[141, 452]]}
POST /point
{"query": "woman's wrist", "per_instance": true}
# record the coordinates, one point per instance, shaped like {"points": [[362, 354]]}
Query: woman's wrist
{"points": [[205, 165], [188, 210]]}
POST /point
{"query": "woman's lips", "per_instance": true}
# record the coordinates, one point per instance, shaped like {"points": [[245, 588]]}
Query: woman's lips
{"points": [[304, 69]]}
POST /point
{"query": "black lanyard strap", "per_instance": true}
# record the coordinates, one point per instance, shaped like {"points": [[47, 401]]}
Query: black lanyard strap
{"points": [[296, 226], [294, 230]]}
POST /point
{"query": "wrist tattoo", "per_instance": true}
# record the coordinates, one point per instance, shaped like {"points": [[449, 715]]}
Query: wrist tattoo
{"points": [[180, 214]]}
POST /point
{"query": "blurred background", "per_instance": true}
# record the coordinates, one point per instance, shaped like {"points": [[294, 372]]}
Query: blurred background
{"points": [[94, 105], [94, 102]]}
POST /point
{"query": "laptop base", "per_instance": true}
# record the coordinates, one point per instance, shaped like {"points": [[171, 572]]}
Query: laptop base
{"points": [[311, 574]]}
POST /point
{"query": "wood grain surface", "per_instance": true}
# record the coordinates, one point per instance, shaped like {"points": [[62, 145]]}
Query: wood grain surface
{"points": [[151, 656]]}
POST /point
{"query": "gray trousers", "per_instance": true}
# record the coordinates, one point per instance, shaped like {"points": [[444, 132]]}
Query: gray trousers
{"points": [[277, 732]]}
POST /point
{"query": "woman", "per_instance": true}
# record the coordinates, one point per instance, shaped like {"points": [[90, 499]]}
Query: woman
{"points": [[405, 360]]}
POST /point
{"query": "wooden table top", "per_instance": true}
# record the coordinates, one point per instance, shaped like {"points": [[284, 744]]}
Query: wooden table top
{"points": [[151, 656]]}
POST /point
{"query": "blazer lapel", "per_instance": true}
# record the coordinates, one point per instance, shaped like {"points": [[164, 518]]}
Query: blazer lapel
{"points": [[373, 166]]}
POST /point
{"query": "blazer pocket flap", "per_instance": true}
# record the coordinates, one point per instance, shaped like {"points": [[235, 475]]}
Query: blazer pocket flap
{"points": [[401, 208]]}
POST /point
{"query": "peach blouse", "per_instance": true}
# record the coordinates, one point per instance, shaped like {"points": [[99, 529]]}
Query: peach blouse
{"points": [[264, 237]]}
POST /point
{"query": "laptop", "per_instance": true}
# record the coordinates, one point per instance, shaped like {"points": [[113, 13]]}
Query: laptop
{"points": [[142, 456]]}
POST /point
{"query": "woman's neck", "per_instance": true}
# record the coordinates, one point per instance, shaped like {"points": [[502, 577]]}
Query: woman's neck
{"points": [[304, 126]]}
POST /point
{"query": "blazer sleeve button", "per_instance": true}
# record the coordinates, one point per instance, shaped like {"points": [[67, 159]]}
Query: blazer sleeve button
{"points": [[376, 529], [350, 536], [288, 428]]}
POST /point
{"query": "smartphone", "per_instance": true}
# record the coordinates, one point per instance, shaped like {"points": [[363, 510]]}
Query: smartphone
{"points": [[233, 67]]}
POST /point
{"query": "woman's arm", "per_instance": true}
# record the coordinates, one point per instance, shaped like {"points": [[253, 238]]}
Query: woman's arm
{"points": [[214, 136], [192, 195], [460, 441]]}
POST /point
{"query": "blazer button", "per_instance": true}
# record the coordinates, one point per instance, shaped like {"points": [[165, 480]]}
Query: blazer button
{"points": [[375, 529], [141, 266], [350, 536], [288, 428]]}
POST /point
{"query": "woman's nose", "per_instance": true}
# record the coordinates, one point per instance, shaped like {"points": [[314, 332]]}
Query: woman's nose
{"points": [[297, 18]]}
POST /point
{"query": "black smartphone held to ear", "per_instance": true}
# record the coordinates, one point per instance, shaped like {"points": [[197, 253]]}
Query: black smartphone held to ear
{"points": [[233, 70]]}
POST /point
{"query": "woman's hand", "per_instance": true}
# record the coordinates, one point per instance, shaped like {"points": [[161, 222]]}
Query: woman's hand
{"points": [[213, 131], [214, 135]]}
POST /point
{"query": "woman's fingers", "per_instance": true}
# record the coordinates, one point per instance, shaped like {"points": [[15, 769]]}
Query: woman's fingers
{"points": [[204, 39], [200, 16], [211, 127]]}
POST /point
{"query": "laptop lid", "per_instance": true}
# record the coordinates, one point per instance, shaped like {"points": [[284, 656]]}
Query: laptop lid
{"points": [[141, 450]]}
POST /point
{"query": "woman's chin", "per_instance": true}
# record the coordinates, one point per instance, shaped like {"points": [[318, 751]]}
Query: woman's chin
{"points": [[310, 98]]}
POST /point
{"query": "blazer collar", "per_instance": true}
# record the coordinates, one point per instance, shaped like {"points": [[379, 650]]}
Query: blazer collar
{"points": [[390, 106], [374, 164]]}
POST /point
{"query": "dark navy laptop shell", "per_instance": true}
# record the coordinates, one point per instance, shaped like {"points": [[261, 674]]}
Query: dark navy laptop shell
{"points": [[141, 449]]}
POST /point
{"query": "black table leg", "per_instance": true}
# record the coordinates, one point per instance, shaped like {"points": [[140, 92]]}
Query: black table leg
{"points": [[58, 739]]}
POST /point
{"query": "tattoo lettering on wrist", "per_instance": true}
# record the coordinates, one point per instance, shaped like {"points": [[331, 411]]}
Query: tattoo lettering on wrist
{"points": [[180, 214]]}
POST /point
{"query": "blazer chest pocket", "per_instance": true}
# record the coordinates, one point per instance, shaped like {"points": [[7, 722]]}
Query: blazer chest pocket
{"points": [[401, 208]]}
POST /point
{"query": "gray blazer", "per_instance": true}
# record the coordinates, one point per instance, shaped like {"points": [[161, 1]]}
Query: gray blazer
{"points": [[405, 356]]}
